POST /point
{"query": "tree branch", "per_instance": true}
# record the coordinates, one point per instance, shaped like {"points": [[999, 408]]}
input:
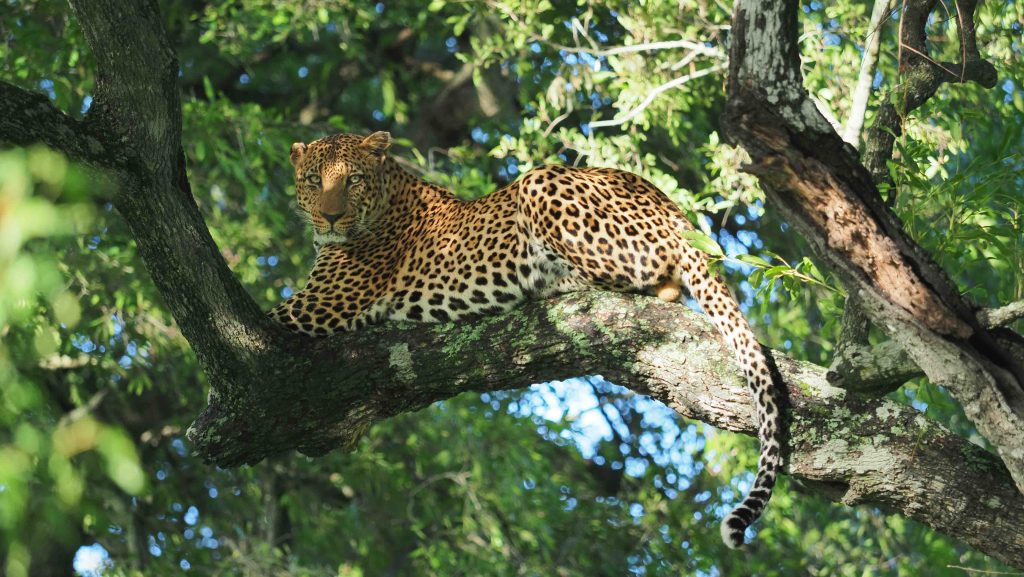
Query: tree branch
{"points": [[862, 451], [814, 179], [1002, 316], [28, 118], [868, 64], [879, 369], [137, 105], [862, 368], [873, 370], [691, 45], [654, 92], [920, 77]]}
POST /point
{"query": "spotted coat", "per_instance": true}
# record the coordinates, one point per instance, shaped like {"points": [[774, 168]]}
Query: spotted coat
{"points": [[392, 246]]}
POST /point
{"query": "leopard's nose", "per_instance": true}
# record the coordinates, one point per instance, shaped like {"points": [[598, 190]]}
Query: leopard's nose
{"points": [[330, 218]]}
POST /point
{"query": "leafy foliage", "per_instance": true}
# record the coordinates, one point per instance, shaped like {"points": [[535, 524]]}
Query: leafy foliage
{"points": [[576, 478]]}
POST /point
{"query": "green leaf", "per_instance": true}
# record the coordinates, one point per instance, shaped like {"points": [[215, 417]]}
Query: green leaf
{"points": [[208, 88], [753, 259], [756, 278], [702, 242]]}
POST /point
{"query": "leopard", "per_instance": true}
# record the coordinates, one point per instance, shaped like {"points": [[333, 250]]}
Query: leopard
{"points": [[392, 246]]}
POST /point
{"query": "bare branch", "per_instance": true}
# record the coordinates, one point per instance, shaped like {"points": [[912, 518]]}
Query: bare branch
{"points": [[878, 369], [674, 83], [855, 122], [983, 571], [1002, 316], [695, 47], [691, 45]]}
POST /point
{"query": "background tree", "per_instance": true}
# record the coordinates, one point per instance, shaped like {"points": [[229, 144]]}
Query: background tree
{"points": [[100, 384]]}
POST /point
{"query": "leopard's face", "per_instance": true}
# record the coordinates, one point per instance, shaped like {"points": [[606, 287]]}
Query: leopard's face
{"points": [[338, 184]]}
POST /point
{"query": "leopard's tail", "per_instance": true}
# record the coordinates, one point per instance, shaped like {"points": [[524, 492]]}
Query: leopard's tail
{"points": [[714, 297]]}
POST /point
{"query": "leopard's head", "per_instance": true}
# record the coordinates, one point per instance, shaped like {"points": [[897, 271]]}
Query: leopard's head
{"points": [[339, 184]]}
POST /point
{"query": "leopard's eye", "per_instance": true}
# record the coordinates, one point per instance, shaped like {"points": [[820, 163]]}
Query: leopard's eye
{"points": [[355, 179], [313, 179]]}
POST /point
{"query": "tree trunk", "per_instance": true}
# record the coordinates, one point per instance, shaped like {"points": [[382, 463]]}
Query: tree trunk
{"points": [[816, 182]]}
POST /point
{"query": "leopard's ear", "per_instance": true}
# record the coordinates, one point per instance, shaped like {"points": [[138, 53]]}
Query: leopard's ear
{"points": [[377, 144], [298, 149]]}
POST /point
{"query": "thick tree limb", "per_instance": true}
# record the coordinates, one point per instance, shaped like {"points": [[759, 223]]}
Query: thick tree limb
{"points": [[852, 347], [872, 370], [272, 391], [879, 369], [814, 179], [852, 350], [29, 117], [137, 109], [859, 451]]}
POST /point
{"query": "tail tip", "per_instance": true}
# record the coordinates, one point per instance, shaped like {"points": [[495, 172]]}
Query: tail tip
{"points": [[732, 532]]}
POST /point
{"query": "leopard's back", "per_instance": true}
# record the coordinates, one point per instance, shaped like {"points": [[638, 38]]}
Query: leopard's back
{"points": [[409, 250]]}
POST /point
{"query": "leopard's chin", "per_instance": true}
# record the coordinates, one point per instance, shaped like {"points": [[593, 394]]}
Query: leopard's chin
{"points": [[327, 238]]}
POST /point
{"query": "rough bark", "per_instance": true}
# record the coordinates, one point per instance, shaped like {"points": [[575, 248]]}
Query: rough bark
{"points": [[28, 118], [856, 450], [273, 391], [1002, 315], [815, 180], [853, 339], [872, 370], [137, 109], [878, 369]]}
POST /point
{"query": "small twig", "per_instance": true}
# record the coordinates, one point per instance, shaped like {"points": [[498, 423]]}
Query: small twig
{"points": [[684, 61], [899, 36], [459, 478], [155, 435], [90, 406], [963, 41], [64, 362], [675, 83], [556, 122], [985, 571], [696, 47], [934, 62]]}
